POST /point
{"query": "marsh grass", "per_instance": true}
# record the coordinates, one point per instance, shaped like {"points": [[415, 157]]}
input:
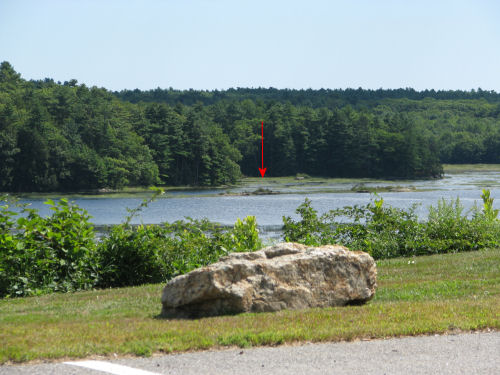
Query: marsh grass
{"points": [[415, 296], [127, 192], [139, 192], [461, 168], [292, 180]]}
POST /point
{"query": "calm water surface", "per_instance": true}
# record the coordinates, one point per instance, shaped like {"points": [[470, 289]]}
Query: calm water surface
{"points": [[269, 209]]}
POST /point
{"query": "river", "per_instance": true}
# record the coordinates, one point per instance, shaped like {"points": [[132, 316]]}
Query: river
{"points": [[225, 205]]}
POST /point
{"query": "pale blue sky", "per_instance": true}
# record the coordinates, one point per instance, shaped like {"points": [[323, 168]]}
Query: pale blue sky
{"points": [[208, 44]]}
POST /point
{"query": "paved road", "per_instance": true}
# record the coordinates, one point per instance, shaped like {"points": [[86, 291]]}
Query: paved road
{"points": [[476, 353]]}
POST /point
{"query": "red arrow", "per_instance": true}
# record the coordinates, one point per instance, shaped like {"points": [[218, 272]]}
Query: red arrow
{"points": [[262, 170]]}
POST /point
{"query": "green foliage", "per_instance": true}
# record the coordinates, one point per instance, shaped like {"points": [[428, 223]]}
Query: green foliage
{"points": [[130, 256], [156, 253], [40, 254], [454, 126], [488, 211], [308, 230], [60, 252], [67, 137], [387, 232], [244, 236], [448, 228]]}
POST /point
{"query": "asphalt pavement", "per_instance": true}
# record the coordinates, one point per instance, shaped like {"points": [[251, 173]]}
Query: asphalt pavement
{"points": [[471, 353]]}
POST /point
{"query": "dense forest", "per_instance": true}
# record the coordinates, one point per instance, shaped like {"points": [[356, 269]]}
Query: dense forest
{"points": [[67, 136], [310, 98]]}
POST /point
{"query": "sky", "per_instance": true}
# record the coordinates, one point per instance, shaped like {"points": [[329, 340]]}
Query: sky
{"points": [[218, 44]]}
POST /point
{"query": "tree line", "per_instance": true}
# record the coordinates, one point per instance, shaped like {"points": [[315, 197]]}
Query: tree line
{"points": [[67, 136], [329, 98]]}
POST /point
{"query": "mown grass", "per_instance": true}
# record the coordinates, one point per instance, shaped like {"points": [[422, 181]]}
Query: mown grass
{"points": [[422, 295]]}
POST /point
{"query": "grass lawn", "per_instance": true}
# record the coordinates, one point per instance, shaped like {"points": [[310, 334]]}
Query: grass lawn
{"points": [[423, 295]]}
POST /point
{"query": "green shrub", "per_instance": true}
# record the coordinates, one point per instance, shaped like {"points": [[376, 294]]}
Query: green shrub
{"points": [[243, 237], [380, 230], [40, 254], [60, 253], [310, 230], [193, 244], [130, 256], [387, 232], [450, 229], [156, 253]]}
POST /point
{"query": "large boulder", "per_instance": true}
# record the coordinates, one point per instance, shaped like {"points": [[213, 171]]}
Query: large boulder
{"points": [[283, 276]]}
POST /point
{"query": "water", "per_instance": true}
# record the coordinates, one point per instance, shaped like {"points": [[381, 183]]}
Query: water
{"points": [[269, 209]]}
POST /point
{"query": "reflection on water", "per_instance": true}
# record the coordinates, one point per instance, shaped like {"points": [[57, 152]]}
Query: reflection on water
{"points": [[269, 209]]}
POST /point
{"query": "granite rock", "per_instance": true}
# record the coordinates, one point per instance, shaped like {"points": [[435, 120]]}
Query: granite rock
{"points": [[282, 276]]}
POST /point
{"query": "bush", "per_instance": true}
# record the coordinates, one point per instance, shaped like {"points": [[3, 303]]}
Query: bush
{"points": [[449, 229], [60, 252], [130, 256], [243, 237], [41, 254], [379, 230], [156, 253], [386, 232]]}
